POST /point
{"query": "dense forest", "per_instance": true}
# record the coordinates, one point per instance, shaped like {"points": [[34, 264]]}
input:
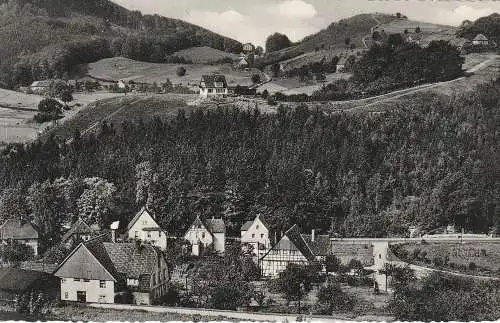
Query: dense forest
{"points": [[46, 38], [429, 163], [488, 26]]}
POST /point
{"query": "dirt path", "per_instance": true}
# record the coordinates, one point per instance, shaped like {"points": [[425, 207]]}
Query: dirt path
{"points": [[247, 316]]}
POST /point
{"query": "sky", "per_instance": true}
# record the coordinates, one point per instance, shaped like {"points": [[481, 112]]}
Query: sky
{"points": [[254, 20]]}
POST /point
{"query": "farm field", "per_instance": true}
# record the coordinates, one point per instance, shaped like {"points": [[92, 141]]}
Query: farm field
{"points": [[204, 55], [120, 68], [472, 258], [16, 118]]}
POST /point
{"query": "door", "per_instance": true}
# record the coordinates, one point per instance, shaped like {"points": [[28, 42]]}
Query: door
{"points": [[81, 296]]}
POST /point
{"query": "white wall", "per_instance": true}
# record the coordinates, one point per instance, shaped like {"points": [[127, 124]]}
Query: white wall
{"points": [[195, 235], [157, 238], [276, 261], [92, 288], [219, 242], [257, 233]]}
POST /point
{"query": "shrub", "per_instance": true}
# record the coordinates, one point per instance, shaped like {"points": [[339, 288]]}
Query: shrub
{"points": [[271, 101], [332, 299], [181, 71], [472, 266]]}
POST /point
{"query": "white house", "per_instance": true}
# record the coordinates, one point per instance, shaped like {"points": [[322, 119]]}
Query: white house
{"points": [[121, 85], [144, 227], [210, 233], [256, 234], [248, 48], [97, 271], [480, 40], [213, 86], [79, 231]]}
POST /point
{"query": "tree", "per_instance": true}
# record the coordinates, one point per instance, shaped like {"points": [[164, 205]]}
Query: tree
{"points": [[259, 51], [395, 40], [256, 78], [295, 282], [376, 35], [96, 204], [417, 30], [277, 42], [49, 109], [275, 68], [347, 41], [180, 71], [332, 264], [332, 299], [15, 252]]}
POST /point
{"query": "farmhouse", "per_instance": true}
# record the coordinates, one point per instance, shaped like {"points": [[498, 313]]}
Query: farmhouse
{"points": [[480, 40], [256, 234], [79, 231], [213, 86], [15, 282], [21, 232], [40, 87], [242, 63], [99, 271], [248, 48], [144, 227], [296, 248], [210, 233]]}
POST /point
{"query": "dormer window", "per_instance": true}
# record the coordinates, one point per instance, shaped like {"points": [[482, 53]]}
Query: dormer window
{"points": [[257, 227], [218, 84]]}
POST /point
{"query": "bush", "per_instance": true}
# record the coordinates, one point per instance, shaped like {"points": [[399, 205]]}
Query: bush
{"points": [[271, 101], [181, 71], [472, 266], [332, 299]]}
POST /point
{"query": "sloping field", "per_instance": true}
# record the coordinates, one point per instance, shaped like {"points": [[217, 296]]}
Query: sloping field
{"points": [[204, 55], [428, 31], [120, 68], [19, 100], [477, 258]]}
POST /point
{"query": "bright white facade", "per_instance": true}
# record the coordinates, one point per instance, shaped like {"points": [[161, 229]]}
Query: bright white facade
{"points": [[87, 290], [256, 234], [144, 227]]}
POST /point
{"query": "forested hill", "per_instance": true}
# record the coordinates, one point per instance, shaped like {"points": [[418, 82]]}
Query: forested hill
{"points": [[429, 163], [45, 38]]}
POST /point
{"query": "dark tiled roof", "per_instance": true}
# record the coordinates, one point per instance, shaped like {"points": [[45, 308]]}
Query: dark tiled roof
{"points": [[13, 279], [246, 226], [210, 80], [79, 227], [97, 248], [296, 238], [15, 229], [320, 246], [132, 259], [215, 225], [39, 266]]}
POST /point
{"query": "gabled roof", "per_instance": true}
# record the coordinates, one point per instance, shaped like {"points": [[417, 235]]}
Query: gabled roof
{"points": [[13, 279], [296, 238], [137, 216], [247, 225], [320, 246], [132, 259], [210, 80], [215, 226], [17, 229], [79, 227], [43, 83], [480, 37]]}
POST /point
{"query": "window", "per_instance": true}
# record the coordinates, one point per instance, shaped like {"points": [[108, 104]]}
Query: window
{"points": [[137, 234], [210, 90], [76, 279], [253, 235], [63, 280], [159, 234], [257, 227], [149, 234], [102, 299], [102, 284], [86, 280], [144, 222], [66, 296], [262, 235], [203, 235]]}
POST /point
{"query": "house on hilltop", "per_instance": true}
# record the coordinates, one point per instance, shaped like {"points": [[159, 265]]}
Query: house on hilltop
{"points": [[79, 231], [213, 86], [144, 227], [480, 40], [100, 272], [210, 233], [248, 48], [21, 232], [296, 248], [256, 234]]}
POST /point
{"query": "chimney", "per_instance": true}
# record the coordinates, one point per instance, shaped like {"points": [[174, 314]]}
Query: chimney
{"points": [[312, 235], [114, 226]]}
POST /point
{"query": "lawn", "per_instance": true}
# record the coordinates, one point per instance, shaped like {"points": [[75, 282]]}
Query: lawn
{"points": [[120, 68], [18, 99], [204, 55], [457, 257]]}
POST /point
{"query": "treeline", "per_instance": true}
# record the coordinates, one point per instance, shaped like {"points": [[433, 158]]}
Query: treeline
{"points": [[35, 38], [427, 164], [488, 26]]}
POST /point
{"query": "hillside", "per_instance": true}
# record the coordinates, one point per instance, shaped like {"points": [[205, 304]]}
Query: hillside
{"points": [[204, 55], [45, 38], [488, 26]]}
